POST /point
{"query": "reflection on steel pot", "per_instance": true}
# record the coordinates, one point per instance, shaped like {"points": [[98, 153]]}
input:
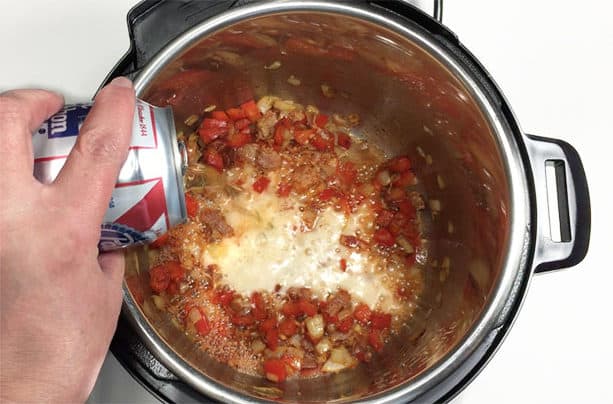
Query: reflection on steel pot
{"points": [[420, 93]]}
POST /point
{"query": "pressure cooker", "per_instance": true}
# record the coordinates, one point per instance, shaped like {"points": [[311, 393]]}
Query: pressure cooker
{"points": [[419, 92]]}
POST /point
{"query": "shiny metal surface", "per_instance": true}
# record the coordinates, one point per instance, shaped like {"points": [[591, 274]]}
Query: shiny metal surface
{"points": [[416, 98], [547, 250]]}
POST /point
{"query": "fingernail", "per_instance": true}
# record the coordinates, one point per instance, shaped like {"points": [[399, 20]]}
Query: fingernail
{"points": [[121, 82]]}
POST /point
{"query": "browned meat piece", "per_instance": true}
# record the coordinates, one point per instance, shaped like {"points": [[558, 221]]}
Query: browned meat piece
{"points": [[268, 159], [266, 124], [340, 300], [214, 220], [248, 153], [307, 178]]}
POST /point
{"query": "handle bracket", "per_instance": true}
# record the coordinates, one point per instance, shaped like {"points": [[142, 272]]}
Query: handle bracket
{"points": [[570, 207]]}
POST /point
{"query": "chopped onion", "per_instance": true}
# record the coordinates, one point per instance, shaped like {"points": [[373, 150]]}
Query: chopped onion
{"points": [[293, 80], [315, 326], [285, 105], [440, 181], [265, 103], [384, 178], [258, 346], [323, 346], [429, 159], [210, 108], [327, 91], [421, 152], [159, 301], [450, 227], [194, 315], [353, 119], [273, 66], [405, 244], [190, 120], [339, 359], [435, 205]]}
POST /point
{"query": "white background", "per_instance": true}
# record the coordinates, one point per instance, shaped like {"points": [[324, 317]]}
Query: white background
{"points": [[553, 60]]}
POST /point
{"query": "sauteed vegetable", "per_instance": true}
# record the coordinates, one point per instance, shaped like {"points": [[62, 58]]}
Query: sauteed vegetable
{"points": [[299, 256]]}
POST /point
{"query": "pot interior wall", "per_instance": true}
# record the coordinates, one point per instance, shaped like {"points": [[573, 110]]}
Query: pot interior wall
{"points": [[408, 103]]}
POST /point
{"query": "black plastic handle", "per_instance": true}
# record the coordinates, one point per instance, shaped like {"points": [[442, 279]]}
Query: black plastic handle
{"points": [[573, 196]]}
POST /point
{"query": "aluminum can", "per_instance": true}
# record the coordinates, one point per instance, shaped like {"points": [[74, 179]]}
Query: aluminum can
{"points": [[148, 198]]}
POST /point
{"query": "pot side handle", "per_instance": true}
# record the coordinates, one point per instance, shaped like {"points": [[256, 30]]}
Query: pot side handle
{"points": [[559, 162]]}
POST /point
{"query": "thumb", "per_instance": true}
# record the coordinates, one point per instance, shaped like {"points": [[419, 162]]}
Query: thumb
{"points": [[113, 265], [91, 169]]}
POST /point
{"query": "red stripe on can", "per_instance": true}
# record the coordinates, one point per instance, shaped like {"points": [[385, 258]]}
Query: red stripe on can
{"points": [[147, 211]]}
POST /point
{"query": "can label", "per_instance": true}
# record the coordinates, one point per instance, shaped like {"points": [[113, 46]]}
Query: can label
{"points": [[148, 198]]}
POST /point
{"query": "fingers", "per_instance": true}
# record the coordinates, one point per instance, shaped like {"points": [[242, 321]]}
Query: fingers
{"points": [[21, 113], [90, 172], [113, 265]]}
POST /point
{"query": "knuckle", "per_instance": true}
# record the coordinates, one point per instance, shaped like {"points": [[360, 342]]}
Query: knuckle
{"points": [[98, 144]]}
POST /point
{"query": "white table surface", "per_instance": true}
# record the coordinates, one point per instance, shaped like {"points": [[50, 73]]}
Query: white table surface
{"points": [[552, 59]]}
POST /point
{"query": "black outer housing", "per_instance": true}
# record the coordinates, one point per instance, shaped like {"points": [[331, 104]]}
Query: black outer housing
{"points": [[152, 24]]}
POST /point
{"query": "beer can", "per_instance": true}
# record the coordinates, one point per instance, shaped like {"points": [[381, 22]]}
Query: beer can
{"points": [[148, 198]]}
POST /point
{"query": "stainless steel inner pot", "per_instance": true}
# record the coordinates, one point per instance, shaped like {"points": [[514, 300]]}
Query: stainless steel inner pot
{"points": [[415, 97]]}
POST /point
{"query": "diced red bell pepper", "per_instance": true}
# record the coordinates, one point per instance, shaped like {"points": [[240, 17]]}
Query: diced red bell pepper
{"points": [[268, 324], [407, 209], [236, 113], [245, 320], [400, 164], [362, 313], [347, 172], [275, 370], [175, 270], [202, 326], [343, 140], [272, 338], [191, 205], [405, 178], [280, 128], [160, 241], [322, 144], [159, 278], [259, 309], [396, 194], [213, 158], [288, 327], [344, 205], [284, 189], [321, 120], [251, 110], [224, 297], [343, 264], [209, 134], [242, 123], [384, 217], [220, 115], [173, 288], [290, 309], [303, 136], [384, 237], [261, 184], [213, 123], [307, 307], [328, 194], [374, 339], [380, 321], [238, 139], [345, 324]]}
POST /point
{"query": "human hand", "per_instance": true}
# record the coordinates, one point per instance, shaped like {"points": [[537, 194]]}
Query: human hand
{"points": [[59, 299]]}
